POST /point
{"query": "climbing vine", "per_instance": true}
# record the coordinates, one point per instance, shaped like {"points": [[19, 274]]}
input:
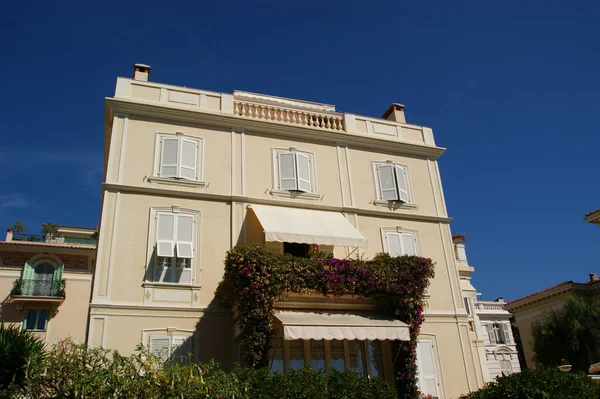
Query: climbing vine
{"points": [[255, 279]]}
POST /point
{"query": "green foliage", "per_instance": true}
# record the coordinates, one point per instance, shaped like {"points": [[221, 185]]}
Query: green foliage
{"points": [[17, 349], [78, 372], [18, 226], [49, 229], [255, 279], [539, 383], [571, 333]]}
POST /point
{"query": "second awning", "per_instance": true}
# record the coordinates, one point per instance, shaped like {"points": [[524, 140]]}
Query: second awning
{"points": [[323, 325], [307, 226]]}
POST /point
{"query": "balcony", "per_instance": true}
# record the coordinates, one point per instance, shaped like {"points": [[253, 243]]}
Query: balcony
{"points": [[83, 241], [48, 292]]}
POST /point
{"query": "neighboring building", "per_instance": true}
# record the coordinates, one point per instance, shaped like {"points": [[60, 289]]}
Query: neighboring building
{"points": [[531, 308], [593, 217], [47, 281], [500, 347]]}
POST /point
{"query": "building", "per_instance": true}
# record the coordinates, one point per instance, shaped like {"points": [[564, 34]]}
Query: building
{"points": [[531, 308], [501, 353], [593, 217], [46, 281]]}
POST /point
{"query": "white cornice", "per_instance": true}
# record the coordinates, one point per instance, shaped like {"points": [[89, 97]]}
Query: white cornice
{"points": [[230, 121], [263, 201]]}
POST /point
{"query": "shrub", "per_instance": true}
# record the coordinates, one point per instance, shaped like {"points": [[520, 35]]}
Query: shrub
{"points": [[539, 383], [17, 349]]}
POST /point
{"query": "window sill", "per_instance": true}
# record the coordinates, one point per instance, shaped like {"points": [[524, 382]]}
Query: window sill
{"points": [[295, 194], [395, 205], [177, 182], [175, 286]]}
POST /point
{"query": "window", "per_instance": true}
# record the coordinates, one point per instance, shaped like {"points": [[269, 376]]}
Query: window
{"points": [[401, 242], [180, 157], [506, 367], [36, 320], [392, 182], [167, 347], [296, 249], [426, 368], [295, 171], [362, 357], [467, 306], [174, 247], [496, 334]]}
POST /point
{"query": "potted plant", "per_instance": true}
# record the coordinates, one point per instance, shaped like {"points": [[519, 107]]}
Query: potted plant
{"points": [[564, 365], [458, 238]]}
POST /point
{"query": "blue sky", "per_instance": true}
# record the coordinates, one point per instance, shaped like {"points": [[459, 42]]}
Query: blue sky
{"points": [[510, 88]]}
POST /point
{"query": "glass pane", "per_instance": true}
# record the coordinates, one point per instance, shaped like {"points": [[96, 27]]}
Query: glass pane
{"points": [[337, 355], [356, 357], [317, 355], [276, 355], [31, 317], [375, 359], [41, 323], [296, 354]]}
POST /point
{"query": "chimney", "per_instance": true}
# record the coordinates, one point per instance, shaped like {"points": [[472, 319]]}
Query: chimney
{"points": [[141, 72], [9, 234], [395, 113], [592, 276]]}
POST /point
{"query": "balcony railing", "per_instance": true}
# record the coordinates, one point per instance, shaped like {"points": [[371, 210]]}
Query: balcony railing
{"points": [[38, 288], [53, 240], [487, 306]]}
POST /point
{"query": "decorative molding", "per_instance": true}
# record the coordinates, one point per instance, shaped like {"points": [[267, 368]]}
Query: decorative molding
{"points": [[155, 311], [294, 194], [71, 262], [176, 182]]}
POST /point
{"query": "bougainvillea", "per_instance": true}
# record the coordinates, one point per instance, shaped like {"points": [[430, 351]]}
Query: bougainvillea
{"points": [[255, 279]]}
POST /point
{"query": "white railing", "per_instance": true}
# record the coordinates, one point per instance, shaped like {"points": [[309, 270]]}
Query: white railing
{"points": [[287, 115], [489, 306]]}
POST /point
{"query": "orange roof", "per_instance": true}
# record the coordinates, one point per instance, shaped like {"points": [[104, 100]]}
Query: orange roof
{"points": [[544, 290], [46, 245], [592, 212]]}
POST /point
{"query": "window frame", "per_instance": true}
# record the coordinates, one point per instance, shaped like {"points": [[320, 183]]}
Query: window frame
{"points": [[170, 333], [401, 230], [156, 176], [276, 189], [378, 196], [152, 259], [37, 319]]}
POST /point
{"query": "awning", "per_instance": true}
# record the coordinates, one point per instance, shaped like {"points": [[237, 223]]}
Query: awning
{"points": [[312, 325], [307, 226]]}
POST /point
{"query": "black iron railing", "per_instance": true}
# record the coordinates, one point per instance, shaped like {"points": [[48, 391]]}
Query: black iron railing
{"points": [[49, 239], [32, 287]]}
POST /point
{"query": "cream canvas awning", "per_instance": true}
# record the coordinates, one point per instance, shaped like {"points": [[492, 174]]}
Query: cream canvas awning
{"points": [[307, 226], [323, 325]]}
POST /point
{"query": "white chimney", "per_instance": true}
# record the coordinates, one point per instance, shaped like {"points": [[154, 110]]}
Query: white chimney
{"points": [[141, 72]]}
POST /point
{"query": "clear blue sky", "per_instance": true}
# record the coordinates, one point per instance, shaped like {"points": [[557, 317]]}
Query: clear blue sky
{"points": [[510, 88]]}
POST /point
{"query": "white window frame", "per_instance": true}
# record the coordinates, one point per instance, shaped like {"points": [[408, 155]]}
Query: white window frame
{"points": [[156, 177], [378, 198], [152, 256], [37, 319], [170, 333], [401, 230], [313, 175]]}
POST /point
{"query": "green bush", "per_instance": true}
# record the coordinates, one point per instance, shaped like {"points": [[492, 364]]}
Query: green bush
{"points": [[539, 383], [17, 348], [77, 372]]}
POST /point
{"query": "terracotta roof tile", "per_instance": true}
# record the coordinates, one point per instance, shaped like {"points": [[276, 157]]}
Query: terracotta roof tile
{"points": [[46, 245], [592, 212], [544, 290]]}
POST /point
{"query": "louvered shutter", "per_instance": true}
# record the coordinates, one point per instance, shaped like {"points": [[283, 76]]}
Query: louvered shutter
{"points": [[402, 180], [160, 346], [507, 336], [185, 236], [188, 159], [426, 368], [28, 275], [408, 244], [57, 278], [168, 158], [182, 346], [303, 169], [491, 335], [387, 183], [394, 241], [165, 225], [287, 171]]}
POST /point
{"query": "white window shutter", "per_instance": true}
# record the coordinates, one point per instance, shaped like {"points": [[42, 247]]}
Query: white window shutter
{"points": [[188, 159], [303, 169], [402, 180], [287, 171], [185, 236], [409, 246], [387, 183], [160, 346], [426, 368], [507, 335], [168, 157], [491, 335], [394, 242], [181, 346], [165, 224]]}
